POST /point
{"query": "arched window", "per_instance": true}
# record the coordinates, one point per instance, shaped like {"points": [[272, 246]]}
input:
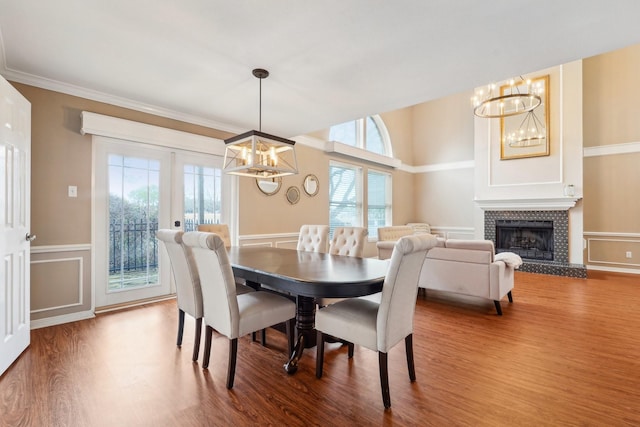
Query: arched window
{"points": [[349, 204], [368, 133]]}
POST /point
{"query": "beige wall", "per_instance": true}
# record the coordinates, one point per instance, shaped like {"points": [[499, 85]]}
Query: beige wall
{"points": [[443, 134], [611, 111], [61, 157]]}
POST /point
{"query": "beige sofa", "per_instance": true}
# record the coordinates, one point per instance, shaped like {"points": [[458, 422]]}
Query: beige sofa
{"points": [[470, 267]]}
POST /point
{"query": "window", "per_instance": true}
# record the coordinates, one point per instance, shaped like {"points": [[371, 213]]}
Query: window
{"points": [[378, 201], [345, 196], [369, 134], [202, 196], [346, 182]]}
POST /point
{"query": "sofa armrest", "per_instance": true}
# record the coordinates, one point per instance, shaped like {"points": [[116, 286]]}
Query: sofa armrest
{"points": [[385, 248]]}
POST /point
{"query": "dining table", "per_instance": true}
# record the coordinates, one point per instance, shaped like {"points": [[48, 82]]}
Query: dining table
{"points": [[306, 276]]}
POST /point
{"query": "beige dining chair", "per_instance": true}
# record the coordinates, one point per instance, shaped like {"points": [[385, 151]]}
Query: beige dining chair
{"points": [[187, 281], [313, 238], [221, 230], [230, 314], [379, 326], [346, 241]]}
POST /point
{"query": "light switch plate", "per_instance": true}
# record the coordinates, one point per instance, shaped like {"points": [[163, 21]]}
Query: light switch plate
{"points": [[73, 191]]}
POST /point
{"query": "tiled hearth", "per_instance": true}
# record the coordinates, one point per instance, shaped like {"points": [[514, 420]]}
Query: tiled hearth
{"points": [[560, 266]]}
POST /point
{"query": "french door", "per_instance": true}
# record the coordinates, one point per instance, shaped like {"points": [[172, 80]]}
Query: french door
{"points": [[140, 189]]}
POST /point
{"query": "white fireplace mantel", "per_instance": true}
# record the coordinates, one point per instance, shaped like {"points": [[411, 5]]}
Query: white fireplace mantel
{"points": [[551, 204]]}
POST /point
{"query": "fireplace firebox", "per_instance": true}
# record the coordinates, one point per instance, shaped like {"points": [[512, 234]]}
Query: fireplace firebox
{"points": [[529, 239]]}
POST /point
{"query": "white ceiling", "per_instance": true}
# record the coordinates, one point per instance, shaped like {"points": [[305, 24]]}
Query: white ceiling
{"points": [[330, 60]]}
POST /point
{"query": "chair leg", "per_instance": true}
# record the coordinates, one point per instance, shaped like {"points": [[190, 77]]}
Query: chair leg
{"points": [[384, 379], [233, 352], [319, 354], [207, 346], [290, 326], [408, 345], [196, 340], [498, 308], [350, 347], [510, 296], [180, 327]]}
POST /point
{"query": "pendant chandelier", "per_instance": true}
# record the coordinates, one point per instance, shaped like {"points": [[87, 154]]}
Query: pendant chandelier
{"points": [[514, 98], [257, 154]]}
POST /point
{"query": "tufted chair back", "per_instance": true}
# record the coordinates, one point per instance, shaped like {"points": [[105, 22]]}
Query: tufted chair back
{"points": [[348, 241], [221, 230], [313, 238]]}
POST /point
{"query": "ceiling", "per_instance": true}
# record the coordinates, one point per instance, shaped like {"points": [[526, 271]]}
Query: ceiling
{"points": [[330, 61]]}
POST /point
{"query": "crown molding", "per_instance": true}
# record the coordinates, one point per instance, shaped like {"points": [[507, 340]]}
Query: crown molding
{"points": [[73, 90]]}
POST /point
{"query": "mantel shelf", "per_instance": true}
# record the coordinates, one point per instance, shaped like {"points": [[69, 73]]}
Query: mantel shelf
{"points": [[548, 204]]}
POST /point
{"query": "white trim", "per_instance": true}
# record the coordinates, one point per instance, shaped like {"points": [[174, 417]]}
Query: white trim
{"points": [[437, 167], [608, 150], [69, 89], [267, 236], [46, 249], [260, 244], [80, 261], [59, 320], [360, 154], [607, 234], [550, 204], [128, 130], [613, 269]]}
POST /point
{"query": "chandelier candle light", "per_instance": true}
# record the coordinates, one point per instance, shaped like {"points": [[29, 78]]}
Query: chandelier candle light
{"points": [[516, 98], [257, 154]]}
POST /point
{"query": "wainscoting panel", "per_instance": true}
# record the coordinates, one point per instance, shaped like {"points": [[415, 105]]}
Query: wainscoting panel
{"points": [[613, 251], [278, 240], [60, 284]]}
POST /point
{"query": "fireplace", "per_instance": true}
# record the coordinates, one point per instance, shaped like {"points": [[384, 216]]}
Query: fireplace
{"points": [[529, 239], [540, 237]]}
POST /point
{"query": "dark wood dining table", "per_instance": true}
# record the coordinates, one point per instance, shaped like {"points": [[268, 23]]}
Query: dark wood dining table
{"points": [[306, 276]]}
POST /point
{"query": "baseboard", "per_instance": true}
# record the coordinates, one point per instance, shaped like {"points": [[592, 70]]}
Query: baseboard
{"points": [[59, 320], [613, 269]]}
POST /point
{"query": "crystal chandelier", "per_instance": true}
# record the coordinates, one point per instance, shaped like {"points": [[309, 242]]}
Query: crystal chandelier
{"points": [[257, 154]]}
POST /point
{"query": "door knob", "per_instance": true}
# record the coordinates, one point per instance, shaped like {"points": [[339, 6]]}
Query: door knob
{"points": [[30, 237]]}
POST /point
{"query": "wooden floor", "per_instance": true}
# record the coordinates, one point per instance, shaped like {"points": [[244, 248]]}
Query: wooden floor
{"points": [[566, 352]]}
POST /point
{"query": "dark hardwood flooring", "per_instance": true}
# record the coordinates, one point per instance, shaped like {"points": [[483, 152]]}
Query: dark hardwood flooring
{"points": [[566, 352]]}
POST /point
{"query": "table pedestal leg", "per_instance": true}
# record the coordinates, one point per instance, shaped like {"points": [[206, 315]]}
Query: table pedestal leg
{"points": [[305, 319]]}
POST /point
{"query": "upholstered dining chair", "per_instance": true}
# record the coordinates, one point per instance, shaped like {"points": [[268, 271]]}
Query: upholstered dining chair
{"points": [[187, 281], [185, 275], [348, 241], [221, 230], [313, 238], [230, 314], [380, 325]]}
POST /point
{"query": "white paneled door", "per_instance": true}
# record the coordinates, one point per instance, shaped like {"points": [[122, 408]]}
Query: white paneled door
{"points": [[15, 238]]}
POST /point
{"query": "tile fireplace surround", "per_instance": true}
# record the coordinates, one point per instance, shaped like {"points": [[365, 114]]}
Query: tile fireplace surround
{"points": [[560, 266]]}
